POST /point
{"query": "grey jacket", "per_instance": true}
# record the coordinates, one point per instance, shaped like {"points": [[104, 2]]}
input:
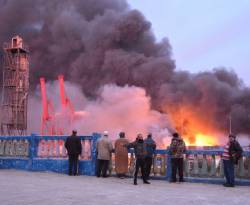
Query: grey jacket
{"points": [[104, 148]]}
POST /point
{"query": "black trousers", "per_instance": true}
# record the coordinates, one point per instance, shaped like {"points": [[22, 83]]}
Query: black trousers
{"points": [[177, 164], [102, 167], [140, 163], [148, 164], [73, 164]]}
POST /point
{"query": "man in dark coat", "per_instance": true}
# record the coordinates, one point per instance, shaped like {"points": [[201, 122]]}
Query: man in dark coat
{"points": [[150, 147], [74, 149], [232, 153], [140, 154]]}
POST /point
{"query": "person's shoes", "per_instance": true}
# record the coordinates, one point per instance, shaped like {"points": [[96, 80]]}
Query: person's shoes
{"points": [[172, 181], [228, 185], [135, 183], [181, 180], [146, 182]]}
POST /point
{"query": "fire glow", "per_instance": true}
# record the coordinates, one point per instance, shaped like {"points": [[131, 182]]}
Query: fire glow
{"points": [[195, 129]]}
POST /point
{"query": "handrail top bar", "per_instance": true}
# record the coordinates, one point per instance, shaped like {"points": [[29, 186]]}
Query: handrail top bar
{"points": [[63, 137], [15, 137], [42, 137], [198, 152]]}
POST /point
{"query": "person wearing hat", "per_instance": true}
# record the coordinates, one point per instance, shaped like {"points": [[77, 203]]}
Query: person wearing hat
{"points": [[231, 155], [74, 149], [176, 151], [104, 150]]}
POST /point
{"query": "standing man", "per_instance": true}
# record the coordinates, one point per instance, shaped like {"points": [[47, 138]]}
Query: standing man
{"points": [[232, 153], [176, 150], [104, 150], [150, 147], [121, 156], [74, 149], [140, 154]]}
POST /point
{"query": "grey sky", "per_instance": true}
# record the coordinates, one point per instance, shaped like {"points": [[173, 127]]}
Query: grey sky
{"points": [[204, 34]]}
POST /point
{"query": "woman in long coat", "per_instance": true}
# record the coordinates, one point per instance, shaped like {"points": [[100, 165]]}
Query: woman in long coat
{"points": [[121, 156]]}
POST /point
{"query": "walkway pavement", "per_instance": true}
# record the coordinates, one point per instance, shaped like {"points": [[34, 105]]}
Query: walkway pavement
{"points": [[35, 188]]}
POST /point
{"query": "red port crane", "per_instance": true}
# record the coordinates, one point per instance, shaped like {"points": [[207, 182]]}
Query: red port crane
{"points": [[48, 114]]}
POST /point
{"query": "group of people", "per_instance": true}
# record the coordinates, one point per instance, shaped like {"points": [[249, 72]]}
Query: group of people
{"points": [[144, 150]]}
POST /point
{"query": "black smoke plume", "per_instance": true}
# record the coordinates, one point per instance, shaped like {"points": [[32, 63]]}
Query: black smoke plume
{"points": [[96, 42]]}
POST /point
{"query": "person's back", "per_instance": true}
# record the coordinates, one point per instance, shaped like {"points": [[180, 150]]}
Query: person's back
{"points": [[150, 146], [74, 149], [73, 145], [121, 156], [104, 148], [177, 150]]}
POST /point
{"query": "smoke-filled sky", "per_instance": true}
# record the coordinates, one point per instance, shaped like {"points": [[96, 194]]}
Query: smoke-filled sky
{"points": [[105, 46], [203, 34]]}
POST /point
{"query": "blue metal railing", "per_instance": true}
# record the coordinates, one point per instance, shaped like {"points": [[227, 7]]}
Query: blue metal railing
{"points": [[47, 153]]}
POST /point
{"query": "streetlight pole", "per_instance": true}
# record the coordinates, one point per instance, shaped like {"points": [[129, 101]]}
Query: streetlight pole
{"points": [[230, 124]]}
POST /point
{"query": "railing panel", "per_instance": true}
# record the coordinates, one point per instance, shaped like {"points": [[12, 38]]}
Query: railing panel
{"points": [[53, 147], [14, 147]]}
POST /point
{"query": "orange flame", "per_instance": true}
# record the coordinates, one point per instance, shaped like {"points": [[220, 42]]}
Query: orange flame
{"points": [[196, 129]]}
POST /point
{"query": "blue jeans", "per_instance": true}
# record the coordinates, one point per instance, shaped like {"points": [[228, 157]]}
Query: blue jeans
{"points": [[229, 171]]}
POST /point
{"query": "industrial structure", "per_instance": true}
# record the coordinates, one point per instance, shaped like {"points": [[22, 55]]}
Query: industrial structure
{"points": [[59, 121], [15, 87], [48, 126]]}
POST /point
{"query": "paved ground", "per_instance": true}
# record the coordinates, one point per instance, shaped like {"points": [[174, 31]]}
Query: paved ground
{"points": [[26, 188]]}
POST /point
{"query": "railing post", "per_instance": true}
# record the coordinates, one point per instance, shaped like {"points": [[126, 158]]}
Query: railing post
{"points": [[196, 166], [169, 167], [186, 165], [33, 149], [248, 167], [221, 165], [204, 169], [241, 169], [213, 167], [95, 136]]}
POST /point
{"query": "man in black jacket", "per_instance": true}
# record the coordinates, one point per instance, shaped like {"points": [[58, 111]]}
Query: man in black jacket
{"points": [[232, 153], [74, 149], [140, 154]]}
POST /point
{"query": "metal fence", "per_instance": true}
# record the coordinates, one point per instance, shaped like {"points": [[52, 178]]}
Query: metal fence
{"points": [[47, 153]]}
